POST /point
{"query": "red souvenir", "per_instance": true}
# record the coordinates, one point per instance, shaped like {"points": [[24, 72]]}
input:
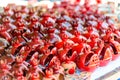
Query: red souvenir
{"points": [[4, 33], [98, 1], [63, 36], [34, 25], [88, 61], [48, 74], [45, 59], [7, 11], [35, 76], [77, 37], [115, 46], [16, 46], [67, 54], [19, 75], [106, 55], [104, 52], [90, 31], [79, 47], [19, 65], [5, 70], [93, 40]]}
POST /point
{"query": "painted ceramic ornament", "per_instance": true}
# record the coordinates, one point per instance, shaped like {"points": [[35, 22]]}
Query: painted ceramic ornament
{"points": [[88, 61]]}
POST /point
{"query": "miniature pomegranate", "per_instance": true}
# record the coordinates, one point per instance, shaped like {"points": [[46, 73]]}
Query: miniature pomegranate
{"points": [[79, 47], [5, 70], [19, 64], [4, 33], [115, 46], [49, 74], [67, 54], [88, 60], [106, 55], [19, 75], [16, 46], [3, 44], [35, 76], [34, 70]]}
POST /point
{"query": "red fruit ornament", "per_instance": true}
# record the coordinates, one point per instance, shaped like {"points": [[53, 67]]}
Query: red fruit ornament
{"points": [[6, 22], [4, 69], [60, 20], [99, 1], [90, 31], [34, 70], [104, 52], [88, 61], [18, 16], [35, 76], [4, 33], [107, 35], [78, 47], [56, 65], [52, 37], [7, 11], [49, 72], [63, 36], [115, 46], [45, 18], [93, 40], [31, 12], [77, 37], [16, 46], [67, 54], [19, 65], [19, 75], [20, 25], [106, 55]]}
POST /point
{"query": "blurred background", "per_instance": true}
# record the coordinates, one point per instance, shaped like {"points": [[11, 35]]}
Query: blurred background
{"points": [[34, 2]]}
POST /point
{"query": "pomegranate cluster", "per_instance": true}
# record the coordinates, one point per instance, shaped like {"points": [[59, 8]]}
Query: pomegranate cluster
{"points": [[46, 44]]}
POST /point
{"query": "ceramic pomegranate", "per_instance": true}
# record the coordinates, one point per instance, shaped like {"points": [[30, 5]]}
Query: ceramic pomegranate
{"points": [[35, 76], [4, 33], [115, 46], [79, 46], [34, 70], [19, 75], [88, 61], [3, 44], [67, 54], [16, 46], [5, 70], [19, 64], [106, 55]]}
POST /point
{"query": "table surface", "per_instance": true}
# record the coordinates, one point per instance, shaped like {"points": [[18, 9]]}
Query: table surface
{"points": [[107, 72]]}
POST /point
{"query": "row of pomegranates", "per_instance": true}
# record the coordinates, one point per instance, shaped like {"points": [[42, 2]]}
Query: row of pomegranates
{"points": [[47, 45]]}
